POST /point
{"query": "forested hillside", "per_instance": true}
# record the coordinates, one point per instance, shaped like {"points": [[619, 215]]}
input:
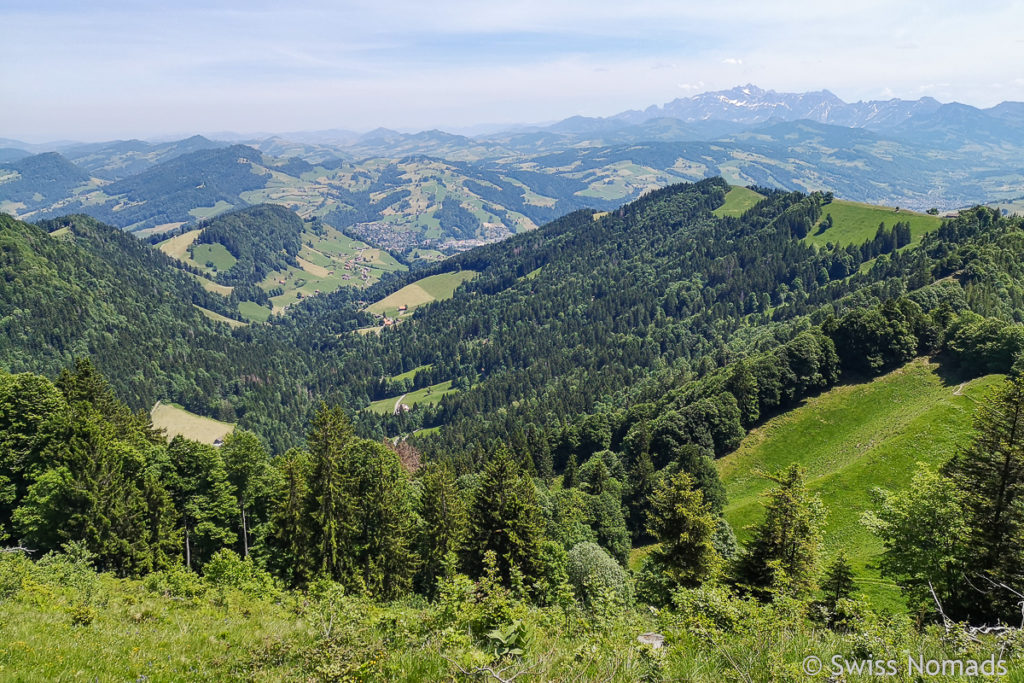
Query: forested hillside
{"points": [[74, 288], [556, 472]]}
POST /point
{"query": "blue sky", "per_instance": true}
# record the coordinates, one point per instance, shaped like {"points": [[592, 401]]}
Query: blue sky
{"points": [[102, 70]]}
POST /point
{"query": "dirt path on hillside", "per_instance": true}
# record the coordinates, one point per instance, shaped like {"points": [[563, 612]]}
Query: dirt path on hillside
{"points": [[398, 403], [960, 389]]}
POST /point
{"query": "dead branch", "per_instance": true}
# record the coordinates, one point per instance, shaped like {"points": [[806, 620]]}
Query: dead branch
{"points": [[499, 674]]}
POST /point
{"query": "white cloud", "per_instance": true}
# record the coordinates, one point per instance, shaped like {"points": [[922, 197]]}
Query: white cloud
{"points": [[732, 60]]}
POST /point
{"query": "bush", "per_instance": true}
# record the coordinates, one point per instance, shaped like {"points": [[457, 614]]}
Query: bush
{"points": [[176, 582], [653, 585], [227, 569], [593, 573], [14, 568]]}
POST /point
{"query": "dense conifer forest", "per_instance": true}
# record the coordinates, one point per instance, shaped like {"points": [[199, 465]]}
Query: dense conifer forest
{"points": [[563, 501]]}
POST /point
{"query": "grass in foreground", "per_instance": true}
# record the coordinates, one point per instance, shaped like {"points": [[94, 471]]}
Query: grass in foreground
{"points": [[60, 620], [850, 440]]}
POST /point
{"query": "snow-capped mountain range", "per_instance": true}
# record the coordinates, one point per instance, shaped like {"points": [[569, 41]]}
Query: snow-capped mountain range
{"points": [[749, 104]]}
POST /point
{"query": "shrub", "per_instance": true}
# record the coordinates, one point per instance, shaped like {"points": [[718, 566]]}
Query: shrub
{"points": [[176, 582], [592, 572], [227, 569], [14, 568]]}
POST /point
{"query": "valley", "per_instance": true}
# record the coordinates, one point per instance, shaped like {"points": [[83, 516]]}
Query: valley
{"points": [[512, 343], [739, 334]]}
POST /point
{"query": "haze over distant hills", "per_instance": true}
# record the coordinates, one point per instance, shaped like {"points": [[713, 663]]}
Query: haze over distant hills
{"points": [[437, 190]]}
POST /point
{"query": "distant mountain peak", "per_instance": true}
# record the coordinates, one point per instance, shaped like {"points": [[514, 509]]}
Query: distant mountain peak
{"points": [[749, 104]]}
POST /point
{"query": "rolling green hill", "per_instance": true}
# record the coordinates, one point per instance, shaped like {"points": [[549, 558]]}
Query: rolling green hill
{"points": [[854, 223], [851, 439], [275, 258]]}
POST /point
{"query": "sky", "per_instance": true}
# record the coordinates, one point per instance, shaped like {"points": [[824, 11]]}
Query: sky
{"points": [[101, 70]]}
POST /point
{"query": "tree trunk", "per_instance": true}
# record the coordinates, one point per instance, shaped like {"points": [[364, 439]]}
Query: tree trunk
{"points": [[245, 535], [188, 549]]}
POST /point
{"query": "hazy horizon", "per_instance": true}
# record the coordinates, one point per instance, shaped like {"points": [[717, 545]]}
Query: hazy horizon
{"points": [[153, 71]]}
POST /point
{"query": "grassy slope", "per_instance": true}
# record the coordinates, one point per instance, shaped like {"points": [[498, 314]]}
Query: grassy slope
{"points": [[737, 201], [217, 254], [178, 246], [433, 288], [410, 374], [426, 396], [213, 315], [252, 311], [854, 223], [176, 420], [850, 440], [322, 269]]}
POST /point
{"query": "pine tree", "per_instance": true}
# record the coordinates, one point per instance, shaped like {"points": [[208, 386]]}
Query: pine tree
{"points": [[505, 518], [329, 502], [783, 552], [569, 476], [288, 543], [990, 473], [838, 583], [442, 517], [684, 526]]}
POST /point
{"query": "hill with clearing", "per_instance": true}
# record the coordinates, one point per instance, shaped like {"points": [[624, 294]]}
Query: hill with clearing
{"points": [[424, 291], [855, 223], [737, 201], [177, 421], [276, 257], [851, 439]]}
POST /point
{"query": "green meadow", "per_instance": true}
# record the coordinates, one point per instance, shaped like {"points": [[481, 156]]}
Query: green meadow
{"points": [[433, 288], [738, 200], [854, 223], [850, 440]]}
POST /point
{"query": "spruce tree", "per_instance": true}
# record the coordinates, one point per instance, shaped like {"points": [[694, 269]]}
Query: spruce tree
{"points": [[329, 501], [684, 526], [540, 451], [442, 519], [505, 519], [569, 476], [783, 551], [990, 474], [382, 523], [838, 582], [743, 386], [288, 546], [202, 495], [641, 487], [248, 470]]}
